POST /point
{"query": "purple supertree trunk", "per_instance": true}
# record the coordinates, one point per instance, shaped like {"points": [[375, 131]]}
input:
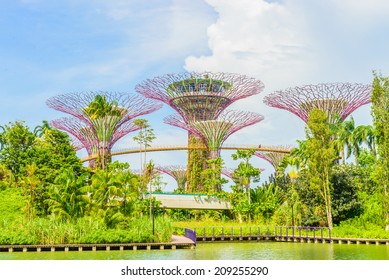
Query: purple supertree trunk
{"points": [[337, 99]]}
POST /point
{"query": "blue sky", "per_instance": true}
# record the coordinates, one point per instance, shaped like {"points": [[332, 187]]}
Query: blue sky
{"points": [[50, 47]]}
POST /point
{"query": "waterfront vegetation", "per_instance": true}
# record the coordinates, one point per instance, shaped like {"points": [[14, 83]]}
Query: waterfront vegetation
{"points": [[336, 177]]}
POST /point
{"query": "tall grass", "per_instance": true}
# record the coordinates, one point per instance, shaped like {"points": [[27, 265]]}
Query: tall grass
{"points": [[84, 231]]}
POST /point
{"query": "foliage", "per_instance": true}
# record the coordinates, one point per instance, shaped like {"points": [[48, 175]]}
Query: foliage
{"points": [[345, 201], [84, 231], [266, 200], [212, 180], [321, 156], [196, 165], [17, 147], [380, 114], [67, 196]]}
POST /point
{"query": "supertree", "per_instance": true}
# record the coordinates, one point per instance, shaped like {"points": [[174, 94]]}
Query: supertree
{"points": [[274, 158], [100, 119], [337, 99], [177, 172], [199, 97], [214, 132], [84, 135]]}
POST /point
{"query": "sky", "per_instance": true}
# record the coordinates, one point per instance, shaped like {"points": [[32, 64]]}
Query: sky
{"points": [[51, 47]]}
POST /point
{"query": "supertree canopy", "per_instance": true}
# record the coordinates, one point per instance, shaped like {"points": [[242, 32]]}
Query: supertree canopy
{"points": [[199, 96], [100, 118], [274, 158], [215, 132], [177, 172], [337, 99], [85, 135]]}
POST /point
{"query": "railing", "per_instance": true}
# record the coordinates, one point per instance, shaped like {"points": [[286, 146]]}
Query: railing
{"points": [[299, 232], [264, 232]]}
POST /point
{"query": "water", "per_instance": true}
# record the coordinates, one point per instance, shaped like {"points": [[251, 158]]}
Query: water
{"points": [[225, 251]]}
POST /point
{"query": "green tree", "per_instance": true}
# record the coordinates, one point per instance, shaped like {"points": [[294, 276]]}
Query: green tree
{"points": [[212, 179], [345, 201], [380, 114], [67, 196], [144, 138], [30, 182], [246, 173], [321, 156], [17, 151]]}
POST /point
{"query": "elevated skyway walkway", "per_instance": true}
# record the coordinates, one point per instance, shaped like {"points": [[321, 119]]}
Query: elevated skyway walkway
{"points": [[133, 150]]}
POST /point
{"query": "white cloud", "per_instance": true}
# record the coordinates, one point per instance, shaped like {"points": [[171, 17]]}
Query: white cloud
{"points": [[257, 38]]}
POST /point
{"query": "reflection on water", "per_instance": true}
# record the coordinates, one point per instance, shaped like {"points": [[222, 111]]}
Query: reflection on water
{"points": [[225, 251]]}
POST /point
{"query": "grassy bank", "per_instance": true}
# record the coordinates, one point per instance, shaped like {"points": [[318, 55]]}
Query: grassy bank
{"points": [[83, 231], [16, 228]]}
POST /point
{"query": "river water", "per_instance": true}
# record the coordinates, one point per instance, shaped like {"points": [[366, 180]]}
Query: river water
{"points": [[225, 251]]}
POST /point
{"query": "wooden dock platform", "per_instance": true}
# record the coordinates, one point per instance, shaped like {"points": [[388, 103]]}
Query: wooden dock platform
{"points": [[178, 242]]}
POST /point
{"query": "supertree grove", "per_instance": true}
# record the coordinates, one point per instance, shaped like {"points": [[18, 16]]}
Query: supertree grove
{"points": [[177, 172], [100, 119], [199, 97], [337, 99]]}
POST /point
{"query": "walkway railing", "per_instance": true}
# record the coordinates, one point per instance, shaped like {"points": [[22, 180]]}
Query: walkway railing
{"points": [[278, 233]]}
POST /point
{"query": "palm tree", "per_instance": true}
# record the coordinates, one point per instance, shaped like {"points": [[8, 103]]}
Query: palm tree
{"points": [[343, 134], [365, 134], [107, 189], [104, 116], [144, 138], [68, 196]]}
